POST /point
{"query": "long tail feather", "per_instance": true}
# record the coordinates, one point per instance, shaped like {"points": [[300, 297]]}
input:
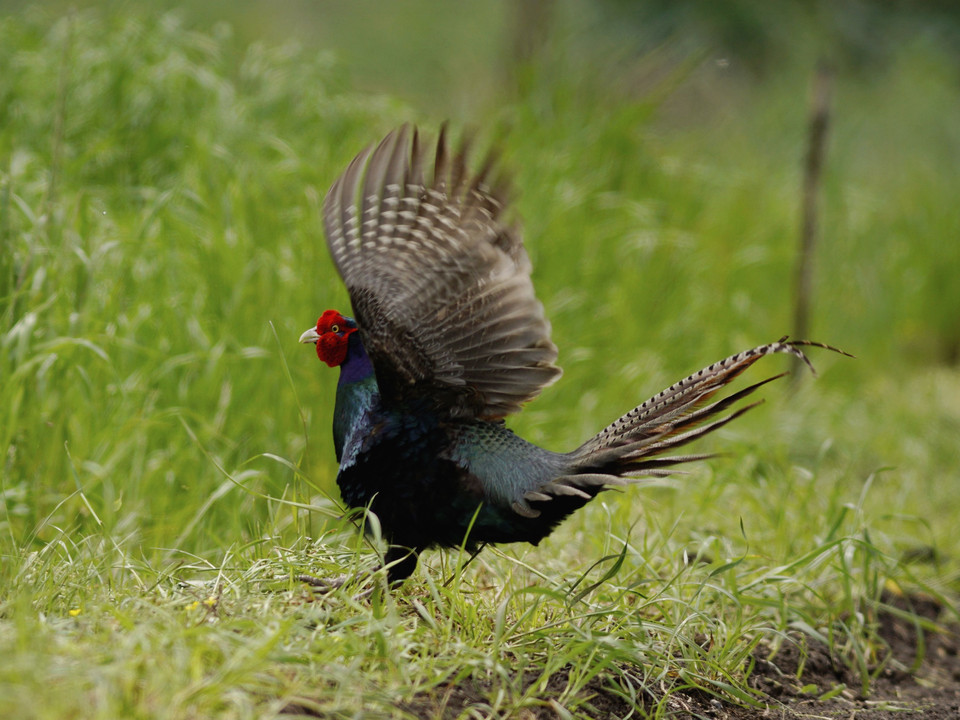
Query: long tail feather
{"points": [[679, 415]]}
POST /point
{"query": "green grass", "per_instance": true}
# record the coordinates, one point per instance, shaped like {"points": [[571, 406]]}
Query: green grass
{"points": [[166, 464]]}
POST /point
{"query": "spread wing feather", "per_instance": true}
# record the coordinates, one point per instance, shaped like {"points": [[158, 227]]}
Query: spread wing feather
{"points": [[440, 286]]}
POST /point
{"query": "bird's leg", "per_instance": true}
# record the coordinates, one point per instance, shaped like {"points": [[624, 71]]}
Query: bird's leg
{"points": [[400, 563]]}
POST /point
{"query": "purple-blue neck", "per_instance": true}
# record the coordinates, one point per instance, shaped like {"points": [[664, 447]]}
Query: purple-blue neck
{"points": [[357, 366]]}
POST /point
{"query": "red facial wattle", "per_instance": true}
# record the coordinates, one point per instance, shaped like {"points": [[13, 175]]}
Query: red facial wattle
{"points": [[334, 337], [332, 349]]}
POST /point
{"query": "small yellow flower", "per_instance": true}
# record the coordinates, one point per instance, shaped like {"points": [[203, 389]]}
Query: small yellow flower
{"points": [[893, 587], [75, 611], [193, 606], [210, 601]]}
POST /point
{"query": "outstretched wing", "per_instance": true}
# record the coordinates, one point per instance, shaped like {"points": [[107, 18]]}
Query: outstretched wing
{"points": [[440, 286]]}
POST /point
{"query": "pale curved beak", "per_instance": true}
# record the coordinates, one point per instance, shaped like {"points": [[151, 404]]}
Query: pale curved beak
{"points": [[310, 336]]}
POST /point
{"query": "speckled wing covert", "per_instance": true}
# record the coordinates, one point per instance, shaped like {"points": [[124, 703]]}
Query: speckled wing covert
{"points": [[440, 286]]}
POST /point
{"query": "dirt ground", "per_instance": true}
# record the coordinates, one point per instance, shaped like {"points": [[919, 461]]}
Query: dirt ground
{"points": [[932, 691]]}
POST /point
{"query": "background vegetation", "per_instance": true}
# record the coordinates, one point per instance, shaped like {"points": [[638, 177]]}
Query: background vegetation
{"points": [[166, 464]]}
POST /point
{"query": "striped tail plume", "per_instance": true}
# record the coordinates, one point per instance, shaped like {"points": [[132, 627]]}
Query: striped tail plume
{"points": [[634, 444]]}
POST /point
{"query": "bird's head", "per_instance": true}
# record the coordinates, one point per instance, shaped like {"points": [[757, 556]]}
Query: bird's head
{"points": [[331, 336]]}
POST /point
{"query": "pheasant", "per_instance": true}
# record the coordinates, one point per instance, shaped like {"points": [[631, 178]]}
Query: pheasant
{"points": [[447, 338]]}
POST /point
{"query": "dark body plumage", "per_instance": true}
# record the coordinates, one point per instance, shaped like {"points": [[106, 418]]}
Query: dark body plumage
{"points": [[449, 338], [425, 475]]}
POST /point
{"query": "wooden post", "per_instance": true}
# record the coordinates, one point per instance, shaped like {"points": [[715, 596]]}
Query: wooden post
{"points": [[531, 29], [813, 167]]}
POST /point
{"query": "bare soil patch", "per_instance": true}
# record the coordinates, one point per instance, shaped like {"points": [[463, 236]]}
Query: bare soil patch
{"points": [[919, 675]]}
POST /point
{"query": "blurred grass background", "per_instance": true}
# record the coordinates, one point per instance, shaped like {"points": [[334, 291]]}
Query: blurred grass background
{"points": [[162, 169]]}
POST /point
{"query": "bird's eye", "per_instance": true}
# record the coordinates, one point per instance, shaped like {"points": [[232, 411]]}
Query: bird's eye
{"points": [[335, 328]]}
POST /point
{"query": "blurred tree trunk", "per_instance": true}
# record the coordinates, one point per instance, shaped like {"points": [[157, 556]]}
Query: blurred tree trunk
{"points": [[530, 30], [813, 171]]}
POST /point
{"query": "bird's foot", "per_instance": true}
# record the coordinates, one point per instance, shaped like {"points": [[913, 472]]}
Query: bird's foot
{"points": [[326, 585]]}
